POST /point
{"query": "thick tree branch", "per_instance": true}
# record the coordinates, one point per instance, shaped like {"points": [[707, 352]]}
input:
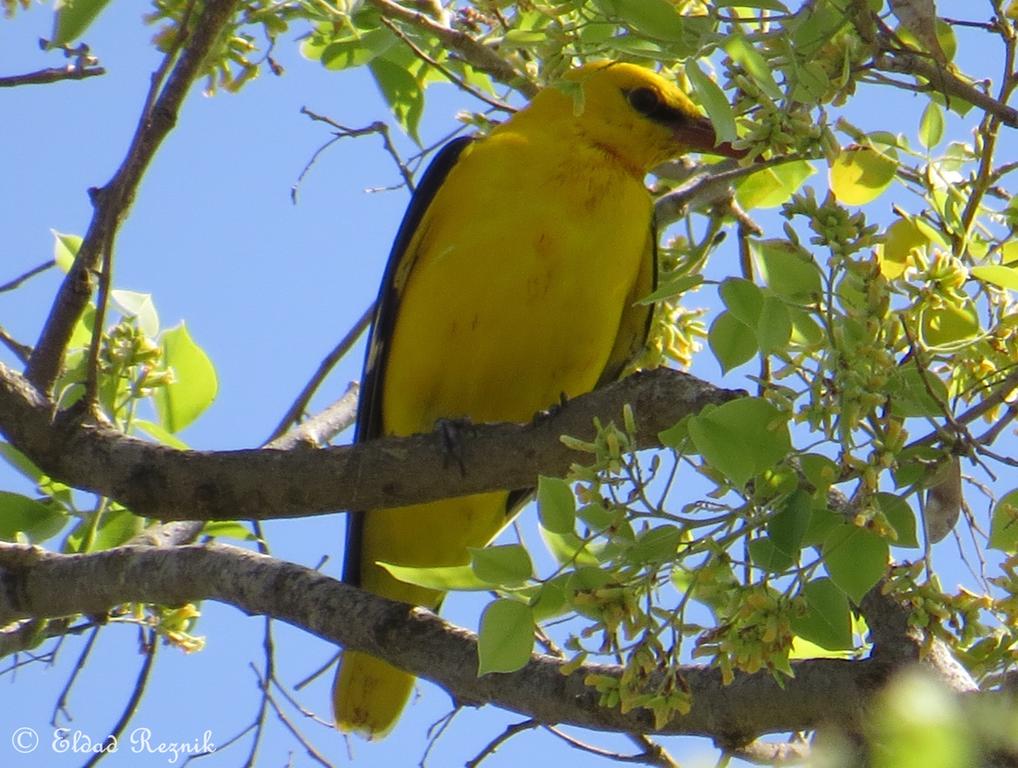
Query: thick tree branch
{"points": [[34, 583], [113, 201], [163, 483]]}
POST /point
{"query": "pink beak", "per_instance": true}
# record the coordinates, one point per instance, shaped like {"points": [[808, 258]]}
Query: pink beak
{"points": [[699, 136]]}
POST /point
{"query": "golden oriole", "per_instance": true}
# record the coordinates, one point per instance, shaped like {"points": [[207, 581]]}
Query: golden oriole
{"points": [[513, 282]]}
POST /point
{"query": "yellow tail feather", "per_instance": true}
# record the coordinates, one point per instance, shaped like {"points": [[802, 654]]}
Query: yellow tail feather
{"points": [[369, 694]]}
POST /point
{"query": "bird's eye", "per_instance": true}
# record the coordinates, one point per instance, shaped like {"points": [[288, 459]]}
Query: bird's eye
{"points": [[644, 100]]}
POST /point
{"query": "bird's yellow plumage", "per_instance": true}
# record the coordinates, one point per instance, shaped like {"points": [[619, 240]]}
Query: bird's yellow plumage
{"points": [[513, 282]]}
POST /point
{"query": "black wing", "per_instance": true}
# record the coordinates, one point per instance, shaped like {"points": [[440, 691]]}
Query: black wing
{"points": [[369, 408]]}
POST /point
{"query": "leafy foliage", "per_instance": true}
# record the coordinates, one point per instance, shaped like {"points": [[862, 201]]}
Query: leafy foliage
{"points": [[879, 340]]}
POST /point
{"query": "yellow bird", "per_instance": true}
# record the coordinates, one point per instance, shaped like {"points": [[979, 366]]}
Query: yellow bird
{"points": [[513, 282]]}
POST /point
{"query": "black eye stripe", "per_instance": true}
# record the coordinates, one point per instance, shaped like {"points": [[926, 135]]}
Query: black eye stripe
{"points": [[647, 102], [644, 100]]}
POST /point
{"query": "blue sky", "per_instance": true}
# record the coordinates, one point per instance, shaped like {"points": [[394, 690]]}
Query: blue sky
{"points": [[266, 287]]}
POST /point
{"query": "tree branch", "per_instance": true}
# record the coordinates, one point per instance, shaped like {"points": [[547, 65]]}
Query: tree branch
{"points": [[479, 56], [35, 583], [163, 483], [941, 80], [113, 201], [52, 75]]}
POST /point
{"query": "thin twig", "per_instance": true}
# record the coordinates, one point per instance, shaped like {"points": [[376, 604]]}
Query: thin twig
{"points": [[95, 343], [299, 405], [52, 75], [502, 738], [342, 132], [307, 680], [61, 705], [916, 64], [657, 754], [21, 351], [132, 703], [114, 199], [10, 285], [323, 426], [476, 53], [313, 753], [646, 758], [455, 79]]}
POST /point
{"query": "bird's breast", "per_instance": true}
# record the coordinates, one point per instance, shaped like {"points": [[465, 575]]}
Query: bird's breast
{"points": [[520, 274]]}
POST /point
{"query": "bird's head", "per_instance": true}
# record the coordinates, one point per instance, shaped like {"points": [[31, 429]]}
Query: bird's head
{"points": [[634, 113]]}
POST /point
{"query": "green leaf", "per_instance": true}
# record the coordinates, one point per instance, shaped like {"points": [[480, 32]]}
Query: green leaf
{"points": [[710, 96], [816, 24], [655, 18], [861, 174], [81, 336], [1004, 524], [819, 470], [402, 92], [766, 555], [158, 434], [741, 438], [672, 286], [65, 249], [138, 306], [116, 526], [788, 269], [556, 505], [901, 517], [788, 527], [745, 54], [779, 550], [931, 125], [634, 45], [949, 325], [920, 723], [909, 391], [676, 436], [771, 187], [902, 240], [743, 298], [549, 599], [357, 50], [655, 545], [228, 529], [828, 620], [568, 548], [597, 516], [504, 566], [821, 523], [525, 38], [506, 637], [810, 82], [997, 274], [72, 18], [24, 465], [775, 327], [806, 332], [444, 578], [731, 342], [194, 384], [765, 5], [28, 517], [856, 559]]}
